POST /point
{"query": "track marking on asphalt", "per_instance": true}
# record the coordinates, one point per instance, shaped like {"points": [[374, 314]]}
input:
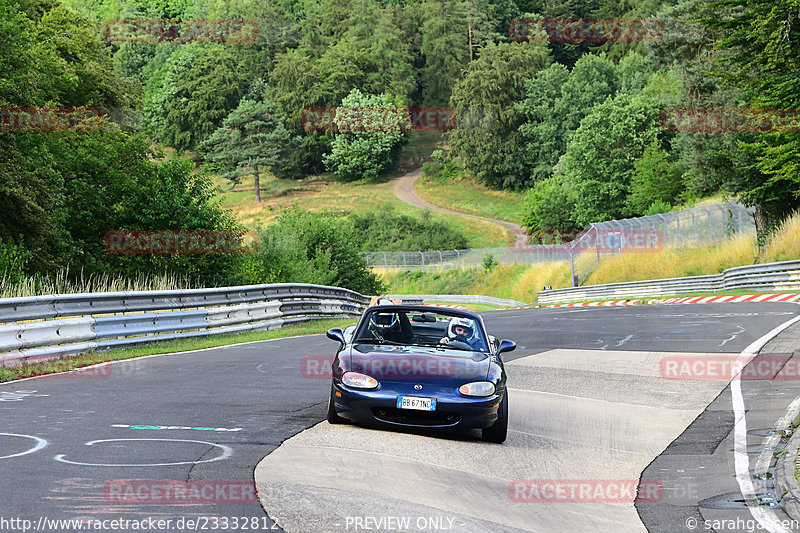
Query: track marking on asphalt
{"points": [[765, 516], [40, 443], [196, 428], [226, 452], [726, 341], [19, 395]]}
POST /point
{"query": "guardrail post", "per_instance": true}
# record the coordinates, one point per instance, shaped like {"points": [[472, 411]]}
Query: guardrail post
{"points": [[694, 225], [405, 266], [678, 226], [458, 254], [422, 255]]}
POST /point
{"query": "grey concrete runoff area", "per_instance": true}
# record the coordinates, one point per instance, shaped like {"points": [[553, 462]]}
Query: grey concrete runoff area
{"points": [[600, 407]]}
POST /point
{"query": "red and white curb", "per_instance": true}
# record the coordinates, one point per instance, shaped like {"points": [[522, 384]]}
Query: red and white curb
{"points": [[451, 306], [686, 300], [731, 299]]}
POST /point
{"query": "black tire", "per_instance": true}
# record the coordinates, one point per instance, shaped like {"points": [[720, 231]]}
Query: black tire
{"points": [[497, 432], [333, 417]]}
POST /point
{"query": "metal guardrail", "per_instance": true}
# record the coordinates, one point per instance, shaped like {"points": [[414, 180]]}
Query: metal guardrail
{"points": [[766, 277], [43, 327]]}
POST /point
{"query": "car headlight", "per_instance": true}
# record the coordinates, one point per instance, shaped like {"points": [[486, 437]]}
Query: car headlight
{"points": [[477, 388], [359, 381]]}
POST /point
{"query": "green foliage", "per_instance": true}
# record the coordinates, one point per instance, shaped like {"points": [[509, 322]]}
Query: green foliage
{"points": [[599, 162], [486, 137], [191, 94], [762, 44], [656, 180], [305, 247], [359, 150], [441, 169], [13, 258], [488, 262], [250, 141], [657, 207], [392, 232], [445, 47], [548, 210]]}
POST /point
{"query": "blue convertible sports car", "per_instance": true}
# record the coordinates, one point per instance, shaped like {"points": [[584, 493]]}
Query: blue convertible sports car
{"points": [[421, 367]]}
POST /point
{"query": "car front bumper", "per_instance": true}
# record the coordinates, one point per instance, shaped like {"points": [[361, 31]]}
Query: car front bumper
{"points": [[379, 406]]}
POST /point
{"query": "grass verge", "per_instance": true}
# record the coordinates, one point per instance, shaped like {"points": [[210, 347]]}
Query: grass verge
{"points": [[163, 347], [466, 195]]}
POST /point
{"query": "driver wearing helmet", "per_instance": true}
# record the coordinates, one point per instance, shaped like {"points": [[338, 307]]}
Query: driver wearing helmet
{"points": [[463, 330], [390, 326]]}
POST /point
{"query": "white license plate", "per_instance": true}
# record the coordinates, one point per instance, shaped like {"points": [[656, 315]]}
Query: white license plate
{"points": [[413, 402]]}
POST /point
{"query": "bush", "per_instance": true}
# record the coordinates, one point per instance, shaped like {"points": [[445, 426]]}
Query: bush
{"points": [[657, 207], [394, 232], [13, 258], [305, 247], [357, 154]]}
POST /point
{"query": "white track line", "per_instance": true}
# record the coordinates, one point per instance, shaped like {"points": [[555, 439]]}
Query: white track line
{"points": [[764, 515]]}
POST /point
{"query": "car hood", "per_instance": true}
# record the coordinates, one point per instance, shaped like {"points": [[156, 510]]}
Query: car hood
{"points": [[419, 363]]}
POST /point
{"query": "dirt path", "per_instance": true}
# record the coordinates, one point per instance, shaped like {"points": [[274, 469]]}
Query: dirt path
{"points": [[403, 188]]}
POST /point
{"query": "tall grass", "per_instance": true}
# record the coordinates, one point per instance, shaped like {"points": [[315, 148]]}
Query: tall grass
{"points": [[523, 283], [675, 262], [62, 282], [785, 243]]}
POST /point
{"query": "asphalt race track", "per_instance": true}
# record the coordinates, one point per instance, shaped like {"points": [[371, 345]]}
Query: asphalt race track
{"points": [[179, 437]]}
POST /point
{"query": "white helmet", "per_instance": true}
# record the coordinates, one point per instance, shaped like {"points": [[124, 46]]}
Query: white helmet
{"points": [[466, 323]]}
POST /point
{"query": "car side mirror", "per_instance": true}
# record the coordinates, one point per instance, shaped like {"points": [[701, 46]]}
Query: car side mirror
{"points": [[335, 334], [506, 346]]}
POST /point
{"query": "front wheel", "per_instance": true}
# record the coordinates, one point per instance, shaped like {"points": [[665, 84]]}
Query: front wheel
{"points": [[333, 416], [497, 432]]}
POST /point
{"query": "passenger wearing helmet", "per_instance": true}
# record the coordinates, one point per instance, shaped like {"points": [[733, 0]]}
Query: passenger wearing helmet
{"points": [[463, 330]]}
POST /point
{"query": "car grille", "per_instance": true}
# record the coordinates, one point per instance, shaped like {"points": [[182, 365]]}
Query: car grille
{"points": [[416, 418]]}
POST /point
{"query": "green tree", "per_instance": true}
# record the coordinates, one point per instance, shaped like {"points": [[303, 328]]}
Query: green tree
{"points": [[486, 137], [762, 44], [251, 140], [188, 98], [599, 161], [368, 140], [655, 179], [543, 132], [554, 105], [445, 48], [548, 210]]}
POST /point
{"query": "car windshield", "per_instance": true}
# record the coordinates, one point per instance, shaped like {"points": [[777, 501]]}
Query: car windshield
{"points": [[421, 328]]}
